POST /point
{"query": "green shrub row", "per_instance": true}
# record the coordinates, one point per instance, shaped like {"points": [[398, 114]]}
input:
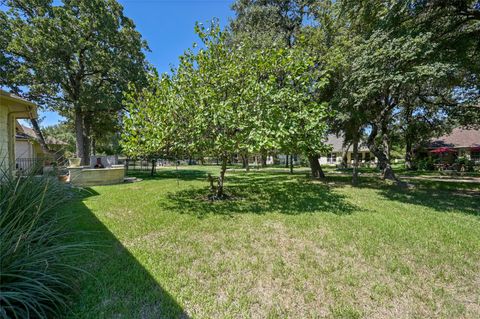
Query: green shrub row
{"points": [[460, 164]]}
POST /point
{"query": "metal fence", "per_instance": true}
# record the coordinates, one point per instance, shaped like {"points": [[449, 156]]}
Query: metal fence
{"points": [[34, 165], [140, 165]]}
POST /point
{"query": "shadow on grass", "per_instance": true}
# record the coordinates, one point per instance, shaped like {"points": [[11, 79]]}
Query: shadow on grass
{"points": [[261, 193], [181, 174], [439, 200], [117, 285], [442, 196]]}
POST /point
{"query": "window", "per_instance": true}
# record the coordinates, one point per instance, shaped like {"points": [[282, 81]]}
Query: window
{"points": [[331, 158], [367, 157], [475, 156]]}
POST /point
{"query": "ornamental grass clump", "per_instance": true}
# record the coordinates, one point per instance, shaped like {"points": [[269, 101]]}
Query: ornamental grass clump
{"points": [[35, 247]]}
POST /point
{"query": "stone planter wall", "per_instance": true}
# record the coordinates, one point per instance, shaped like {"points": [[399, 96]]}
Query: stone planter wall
{"points": [[86, 176]]}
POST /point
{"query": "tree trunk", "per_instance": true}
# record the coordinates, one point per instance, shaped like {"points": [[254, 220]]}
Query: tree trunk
{"points": [[41, 140], [408, 138], [408, 155], [345, 156], [386, 145], [94, 146], [291, 164], [355, 162], [87, 124], [245, 163], [387, 168], [381, 155], [388, 173], [315, 167], [286, 161], [221, 179], [321, 174], [80, 136], [152, 171], [264, 159], [384, 164]]}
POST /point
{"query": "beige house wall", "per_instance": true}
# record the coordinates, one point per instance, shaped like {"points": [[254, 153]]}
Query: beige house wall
{"points": [[339, 157], [11, 108], [24, 149], [4, 138], [28, 149], [7, 138]]}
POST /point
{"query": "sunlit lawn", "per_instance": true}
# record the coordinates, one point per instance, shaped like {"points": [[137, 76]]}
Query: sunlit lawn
{"points": [[283, 246]]}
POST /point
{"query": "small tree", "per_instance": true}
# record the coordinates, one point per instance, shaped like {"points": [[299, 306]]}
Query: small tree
{"points": [[224, 100], [147, 123]]}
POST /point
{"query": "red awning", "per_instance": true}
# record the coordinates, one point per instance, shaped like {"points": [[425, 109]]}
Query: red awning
{"points": [[475, 149], [443, 150]]}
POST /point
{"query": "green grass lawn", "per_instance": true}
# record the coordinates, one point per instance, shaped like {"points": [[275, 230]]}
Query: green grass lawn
{"points": [[284, 246]]}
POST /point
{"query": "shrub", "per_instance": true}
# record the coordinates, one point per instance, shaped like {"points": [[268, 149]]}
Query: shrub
{"points": [[35, 275], [426, 164], [464, 162]]}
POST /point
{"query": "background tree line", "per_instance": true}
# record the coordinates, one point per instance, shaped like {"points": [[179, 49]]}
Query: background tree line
{"points": [[280, 77], [381, 72]]}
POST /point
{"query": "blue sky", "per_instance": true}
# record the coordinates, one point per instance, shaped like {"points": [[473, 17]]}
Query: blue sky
{"points": [[167, 25]]}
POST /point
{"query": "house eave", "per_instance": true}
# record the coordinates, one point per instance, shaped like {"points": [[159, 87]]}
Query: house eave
{"points": [[19, 107]]}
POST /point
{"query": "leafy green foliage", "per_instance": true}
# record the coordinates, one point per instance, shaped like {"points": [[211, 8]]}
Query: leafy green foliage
{"points": [[62, 132], [149, 124], [269, 22], [224, 100], [76, 58]]}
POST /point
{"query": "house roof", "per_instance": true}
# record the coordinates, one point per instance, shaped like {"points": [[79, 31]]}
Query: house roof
{"points": [[28, 131], [337, 143], [25, 132], [458, 138], [17, 105], [54, 141]]}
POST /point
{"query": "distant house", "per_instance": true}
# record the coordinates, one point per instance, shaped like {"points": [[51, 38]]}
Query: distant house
{"points": [[26, 145], [11, 108], [339, 149], [282, 158], [334, 157], [28, 151], [465, 141]]}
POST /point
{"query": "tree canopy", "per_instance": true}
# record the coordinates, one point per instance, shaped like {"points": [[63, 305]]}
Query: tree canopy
{"points": [[282, 75], [76, 58], [228, 99]]}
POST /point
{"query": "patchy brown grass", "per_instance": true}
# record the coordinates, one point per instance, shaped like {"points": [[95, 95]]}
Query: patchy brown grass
{"points": [[288, 248]]}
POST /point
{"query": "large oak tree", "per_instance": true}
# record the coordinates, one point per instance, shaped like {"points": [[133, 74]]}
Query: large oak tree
{"points": [[76, 58]]}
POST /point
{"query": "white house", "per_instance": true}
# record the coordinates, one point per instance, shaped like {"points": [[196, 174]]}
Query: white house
{"points": [[28, 151], [338, 150], [334, 157]]}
